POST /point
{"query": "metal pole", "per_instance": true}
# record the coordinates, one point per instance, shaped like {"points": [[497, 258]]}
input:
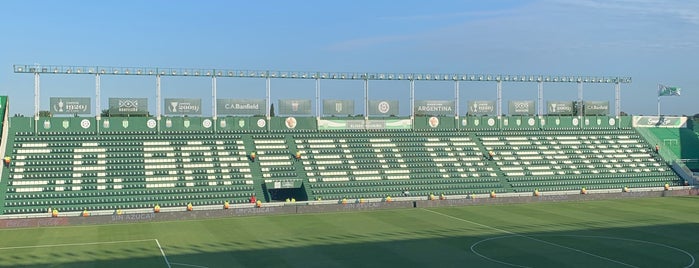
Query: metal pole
{"points": [[499, 98], [157, 97], [456, 99], [318, 98], [268, 87], [36, 96], [617, 99], [658, 106], [580, 99], [412, 99], [366, 97], [541, 99], [213, 97], [98, 108]]}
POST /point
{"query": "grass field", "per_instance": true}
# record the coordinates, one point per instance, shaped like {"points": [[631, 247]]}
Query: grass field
{"points": [[653, 232]]}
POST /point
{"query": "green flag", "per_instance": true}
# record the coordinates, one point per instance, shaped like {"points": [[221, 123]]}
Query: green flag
{"points": [[668, 91]]}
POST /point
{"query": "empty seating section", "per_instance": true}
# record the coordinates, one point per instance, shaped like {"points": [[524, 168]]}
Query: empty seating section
{"points": [[274, 157], [126, 171], [139, 169], [558, 161], [365, 165]]}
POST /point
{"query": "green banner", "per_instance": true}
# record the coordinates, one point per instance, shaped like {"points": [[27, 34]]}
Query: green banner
{"points": [[294, 107], [596, 107], [481, 107], [525, 107], [338, 107], [660, 121], [182, 106], [383, 107], [128, 106], [241, 106], [342, 124], [560, 107], [3, 102], [69, 105], [435, 107]]}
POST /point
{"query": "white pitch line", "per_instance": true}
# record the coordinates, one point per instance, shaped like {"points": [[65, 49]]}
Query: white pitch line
{"points": [[532, 238], [163, 252], [78, 244]]}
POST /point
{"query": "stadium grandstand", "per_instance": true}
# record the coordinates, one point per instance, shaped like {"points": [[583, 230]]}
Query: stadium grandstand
{"points": [[129, 160]]}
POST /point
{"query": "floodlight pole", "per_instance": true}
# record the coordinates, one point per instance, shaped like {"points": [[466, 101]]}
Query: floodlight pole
{"points": [[213, 96], [366, 97], [98, 85], [37, 83], [456, 98], [540, 98], [412, 100], [499, 98], [268, 88], [580, 99], [318, 98], [157, 97], [617, 99]]}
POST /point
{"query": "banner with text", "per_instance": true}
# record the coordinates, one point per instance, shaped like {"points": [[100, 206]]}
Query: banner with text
{"points": [[69, 105], [342, 124], [526, 107], [182, 106], [559, 107], [481, 107], [434, 107], [128, 106], [241, 106], [660, 121], [596, 107], [294, 107], [338, 107], [383, 107]]}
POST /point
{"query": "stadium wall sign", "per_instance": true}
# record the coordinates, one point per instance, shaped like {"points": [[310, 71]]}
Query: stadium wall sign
{"points": [[481, 107], [69, 105], [596, 107], [338, 107], [559, 107], [525, 107], [434, 107], [241, 106], [660, 121], [128, 106], [383, 107], [294, 107], [180, 106]]}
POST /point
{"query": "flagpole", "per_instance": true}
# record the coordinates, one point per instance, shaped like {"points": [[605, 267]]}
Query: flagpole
{"points": [[659, 93]]}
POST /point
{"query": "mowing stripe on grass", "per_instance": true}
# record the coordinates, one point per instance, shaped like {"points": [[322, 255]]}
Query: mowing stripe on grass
{"points": [[79, 244], [188, 265], [529, 237]]}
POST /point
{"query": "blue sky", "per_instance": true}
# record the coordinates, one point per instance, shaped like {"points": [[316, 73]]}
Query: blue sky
{"points": [[651, 41]]}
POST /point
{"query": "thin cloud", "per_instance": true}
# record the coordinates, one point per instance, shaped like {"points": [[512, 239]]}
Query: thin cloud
{"points": [[687, 11], [452, 15]]}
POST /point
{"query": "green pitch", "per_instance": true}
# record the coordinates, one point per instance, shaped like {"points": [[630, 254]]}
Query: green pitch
{"points": [[654, 232]]}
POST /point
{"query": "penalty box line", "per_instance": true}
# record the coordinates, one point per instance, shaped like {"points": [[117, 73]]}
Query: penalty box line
{"points": [[532, 238], [79, 244]]}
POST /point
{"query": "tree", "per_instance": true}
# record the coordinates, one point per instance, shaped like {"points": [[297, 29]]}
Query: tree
{"points": [[271, 110], [45, 114], [105, 113]]}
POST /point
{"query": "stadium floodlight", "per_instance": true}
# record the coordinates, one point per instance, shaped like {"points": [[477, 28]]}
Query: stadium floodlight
{"points": [[56, 69]]}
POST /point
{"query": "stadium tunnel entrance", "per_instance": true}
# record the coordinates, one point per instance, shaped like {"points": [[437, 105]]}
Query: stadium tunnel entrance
{"points": [[283, 190]]}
